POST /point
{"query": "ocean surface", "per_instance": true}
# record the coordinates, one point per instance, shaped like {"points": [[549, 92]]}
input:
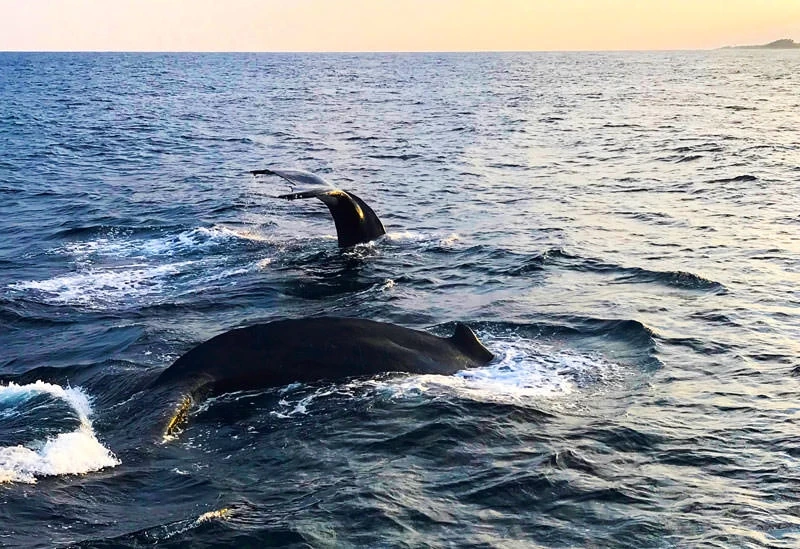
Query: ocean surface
{"points": [[622, 230]]}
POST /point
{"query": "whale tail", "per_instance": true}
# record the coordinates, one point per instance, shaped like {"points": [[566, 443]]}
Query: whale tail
{"points": [[465, 340], [356, 222]]}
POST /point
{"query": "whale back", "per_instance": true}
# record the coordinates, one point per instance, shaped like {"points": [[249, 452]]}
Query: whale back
{"points": [[306, 350]]}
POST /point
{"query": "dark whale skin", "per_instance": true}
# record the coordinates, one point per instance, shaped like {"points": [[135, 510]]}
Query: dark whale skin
{"points": [[305, 350], [356, 222]]}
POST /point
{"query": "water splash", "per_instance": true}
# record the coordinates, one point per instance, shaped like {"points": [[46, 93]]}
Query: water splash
{"points": [[72, 453]]}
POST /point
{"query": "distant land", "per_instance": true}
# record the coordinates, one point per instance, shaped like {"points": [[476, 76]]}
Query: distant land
{"points": [[782, 44]]}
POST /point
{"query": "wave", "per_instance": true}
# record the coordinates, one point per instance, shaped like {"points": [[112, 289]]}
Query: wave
{"points": [[239, 525], [680, 158], [701, 147], [507, 165], [55, 374], [362, 138], [628, 340], [558, 257], [674, 279], [71, 453], [409, 156], [738, 178], [538, 262]]}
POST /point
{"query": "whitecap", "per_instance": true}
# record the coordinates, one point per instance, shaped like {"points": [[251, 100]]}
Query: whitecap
{"points": [[72, 453], [263, 264], [387, 285]]}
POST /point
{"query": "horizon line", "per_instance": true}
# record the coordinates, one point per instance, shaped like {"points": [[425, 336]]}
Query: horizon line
{"points": [[632, 50]]}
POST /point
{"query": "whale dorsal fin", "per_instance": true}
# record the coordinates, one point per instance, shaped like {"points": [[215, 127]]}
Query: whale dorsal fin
{"points": [[468, 343], [356, 222]]}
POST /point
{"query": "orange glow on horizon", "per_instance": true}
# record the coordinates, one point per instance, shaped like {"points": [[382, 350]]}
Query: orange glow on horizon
{"points": [[391, 25]]}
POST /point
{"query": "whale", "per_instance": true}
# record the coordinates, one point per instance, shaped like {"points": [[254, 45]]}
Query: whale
{"points": [[356, 222], [307, 350]]}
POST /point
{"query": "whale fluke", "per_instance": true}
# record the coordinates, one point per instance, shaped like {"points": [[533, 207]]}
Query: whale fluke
{"points": [[297, 177], [356, 222]]}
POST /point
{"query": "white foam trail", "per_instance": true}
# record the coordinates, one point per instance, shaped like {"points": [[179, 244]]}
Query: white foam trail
{"points": [[104, 278], [71, 453], [524, 372], [98, 287], [199, 238], [101, 288], [204, 282], [413, 236]]}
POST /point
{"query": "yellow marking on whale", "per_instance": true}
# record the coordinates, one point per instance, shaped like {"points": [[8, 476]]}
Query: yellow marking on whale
{"points": [[359, 212], [178, 418], [223, 513]]}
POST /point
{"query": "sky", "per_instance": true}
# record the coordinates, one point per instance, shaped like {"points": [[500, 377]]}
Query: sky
{"points": [[392, 25]]}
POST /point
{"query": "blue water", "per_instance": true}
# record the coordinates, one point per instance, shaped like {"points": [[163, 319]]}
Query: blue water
{"points": [[621, 229]]}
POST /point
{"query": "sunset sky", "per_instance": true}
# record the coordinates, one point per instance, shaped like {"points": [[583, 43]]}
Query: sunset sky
{"points": [[391, 25]]}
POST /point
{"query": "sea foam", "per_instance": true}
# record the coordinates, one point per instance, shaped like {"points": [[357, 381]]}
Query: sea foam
{"points": [[523, 371], [117, 272]]}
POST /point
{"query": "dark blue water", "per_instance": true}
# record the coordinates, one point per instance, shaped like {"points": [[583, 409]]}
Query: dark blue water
{"points": [[621, 229]]}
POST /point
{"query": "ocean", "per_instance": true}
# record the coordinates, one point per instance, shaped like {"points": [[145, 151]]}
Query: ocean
{"points": [[621, 230]]}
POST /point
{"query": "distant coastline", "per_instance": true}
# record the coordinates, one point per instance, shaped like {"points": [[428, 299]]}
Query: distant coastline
{"points": [[782, 44]]}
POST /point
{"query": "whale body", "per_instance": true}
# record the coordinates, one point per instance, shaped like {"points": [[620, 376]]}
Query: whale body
{"points": [[356, 222], [306, 350]]}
